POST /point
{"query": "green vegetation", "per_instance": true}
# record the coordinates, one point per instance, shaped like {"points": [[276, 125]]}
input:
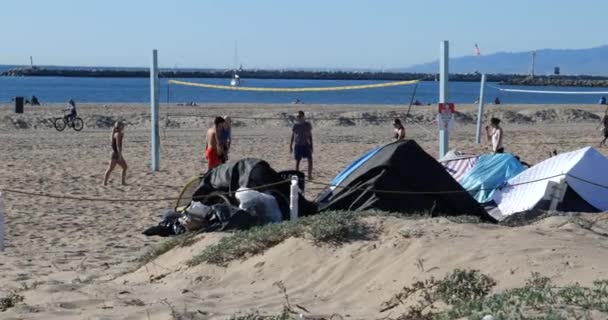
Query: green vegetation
{"points": [[466, 294], [333, 228], [11, 300]]}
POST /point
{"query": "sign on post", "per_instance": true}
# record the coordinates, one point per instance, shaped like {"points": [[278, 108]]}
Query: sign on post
{"points": [[445, 117]]}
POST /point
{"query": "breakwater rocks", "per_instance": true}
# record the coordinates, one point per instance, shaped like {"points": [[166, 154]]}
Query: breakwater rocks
{"points": [[246, 74], [504, 79], [561, 81]]}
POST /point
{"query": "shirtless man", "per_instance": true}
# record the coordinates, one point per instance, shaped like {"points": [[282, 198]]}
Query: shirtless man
{"points": [[604, 123], [214, 149]]}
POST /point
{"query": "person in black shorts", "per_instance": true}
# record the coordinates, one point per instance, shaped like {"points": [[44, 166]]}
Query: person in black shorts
{"points": [[604, 125], [301, 142]]}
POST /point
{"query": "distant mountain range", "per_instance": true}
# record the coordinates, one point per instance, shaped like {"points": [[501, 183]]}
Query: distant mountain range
{"points": [[593, 61]]}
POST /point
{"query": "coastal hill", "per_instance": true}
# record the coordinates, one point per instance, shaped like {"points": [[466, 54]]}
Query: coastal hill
{"points": [[590, 61]]}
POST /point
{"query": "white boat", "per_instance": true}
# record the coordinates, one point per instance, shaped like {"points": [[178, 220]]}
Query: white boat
{"points": [[236, 80]]}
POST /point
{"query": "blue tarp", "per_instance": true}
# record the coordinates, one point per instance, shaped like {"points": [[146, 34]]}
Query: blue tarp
{"points": [[353, 166], [489, 173]]}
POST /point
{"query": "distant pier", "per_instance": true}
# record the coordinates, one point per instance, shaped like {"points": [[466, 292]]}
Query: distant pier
{"points": [[504, 79]]}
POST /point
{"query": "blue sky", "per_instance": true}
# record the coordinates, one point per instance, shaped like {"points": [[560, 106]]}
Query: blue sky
{"points": [[285, 33]]}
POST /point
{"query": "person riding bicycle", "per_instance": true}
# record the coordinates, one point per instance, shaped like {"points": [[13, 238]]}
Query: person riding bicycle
{"points": [[71, 111]]}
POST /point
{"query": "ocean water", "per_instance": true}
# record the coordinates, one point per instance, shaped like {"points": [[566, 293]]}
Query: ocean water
{"points": [[137, 90]]}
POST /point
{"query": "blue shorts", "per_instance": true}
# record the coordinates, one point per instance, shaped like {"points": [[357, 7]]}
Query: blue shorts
{"points": [[301, 151]]}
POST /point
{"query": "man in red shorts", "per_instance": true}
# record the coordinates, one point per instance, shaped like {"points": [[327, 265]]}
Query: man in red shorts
{"points": [[213, 150]]}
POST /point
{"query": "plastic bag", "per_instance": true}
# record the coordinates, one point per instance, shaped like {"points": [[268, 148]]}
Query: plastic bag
{"points": [[260, 204]]}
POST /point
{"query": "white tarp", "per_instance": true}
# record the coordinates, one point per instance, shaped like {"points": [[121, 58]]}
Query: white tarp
{"points": [[258, 203], [585, 164]]}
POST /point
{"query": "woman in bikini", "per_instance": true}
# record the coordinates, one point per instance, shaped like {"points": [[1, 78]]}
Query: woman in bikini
{"points": [[116, 157], [399, 130]]}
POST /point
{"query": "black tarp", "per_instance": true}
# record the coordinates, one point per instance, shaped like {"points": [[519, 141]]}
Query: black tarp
{"points": [[250, 173], [403, 166]]}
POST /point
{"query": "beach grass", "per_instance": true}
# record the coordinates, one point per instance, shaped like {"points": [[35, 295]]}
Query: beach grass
{"points": [[331, 228]]}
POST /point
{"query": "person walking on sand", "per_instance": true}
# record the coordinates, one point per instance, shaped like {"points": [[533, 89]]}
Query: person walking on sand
{"points": [[495, 135], [399, 130], [214, 149], [116, 157], [604, 125], [301, 142]]}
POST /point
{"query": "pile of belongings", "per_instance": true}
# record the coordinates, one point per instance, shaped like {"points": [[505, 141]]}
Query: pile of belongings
{"points": [[236, 195], [399, 177]]}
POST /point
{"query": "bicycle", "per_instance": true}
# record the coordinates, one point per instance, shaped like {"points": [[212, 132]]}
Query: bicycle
{"points": [[75, 123]]}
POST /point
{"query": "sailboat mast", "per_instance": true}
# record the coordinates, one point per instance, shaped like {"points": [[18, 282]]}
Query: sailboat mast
{"points": [[235, 55]]}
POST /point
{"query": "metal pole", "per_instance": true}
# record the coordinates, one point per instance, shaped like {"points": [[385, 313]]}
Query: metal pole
{"points": [[1, 223], [294, 196], [154, 111], [480, 109], [444, 55]]}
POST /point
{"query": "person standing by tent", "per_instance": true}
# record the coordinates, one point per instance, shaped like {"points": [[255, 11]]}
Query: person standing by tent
{"points": [[399, 129], [301, 142], [495, 134], [604, 125], [116, 157], [214, 149], [225, 138]]}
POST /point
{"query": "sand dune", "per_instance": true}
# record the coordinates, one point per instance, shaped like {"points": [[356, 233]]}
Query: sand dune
{"points": [[68, 258]]}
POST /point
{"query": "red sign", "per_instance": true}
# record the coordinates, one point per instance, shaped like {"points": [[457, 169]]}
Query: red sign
{"points": [[445, 118], [446, 107]]}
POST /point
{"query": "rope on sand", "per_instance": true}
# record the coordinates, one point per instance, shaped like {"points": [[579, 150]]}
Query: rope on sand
{"points": [[340, 88], [459, 191], [47, 195], [89, 198]]}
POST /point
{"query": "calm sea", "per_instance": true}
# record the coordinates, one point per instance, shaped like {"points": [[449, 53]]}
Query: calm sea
{"points": [[117, 90]]}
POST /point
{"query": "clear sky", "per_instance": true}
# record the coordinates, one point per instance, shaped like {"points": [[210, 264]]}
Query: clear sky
{"points": [[286, 33]]}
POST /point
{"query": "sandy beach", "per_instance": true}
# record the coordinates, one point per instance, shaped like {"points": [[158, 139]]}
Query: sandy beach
{"points": [[75, 259]]}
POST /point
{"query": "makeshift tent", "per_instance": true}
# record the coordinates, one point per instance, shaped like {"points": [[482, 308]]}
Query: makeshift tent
{"points": [[489, 173], [398, 168], [457, 164], [585, 173], [249, 173]]}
